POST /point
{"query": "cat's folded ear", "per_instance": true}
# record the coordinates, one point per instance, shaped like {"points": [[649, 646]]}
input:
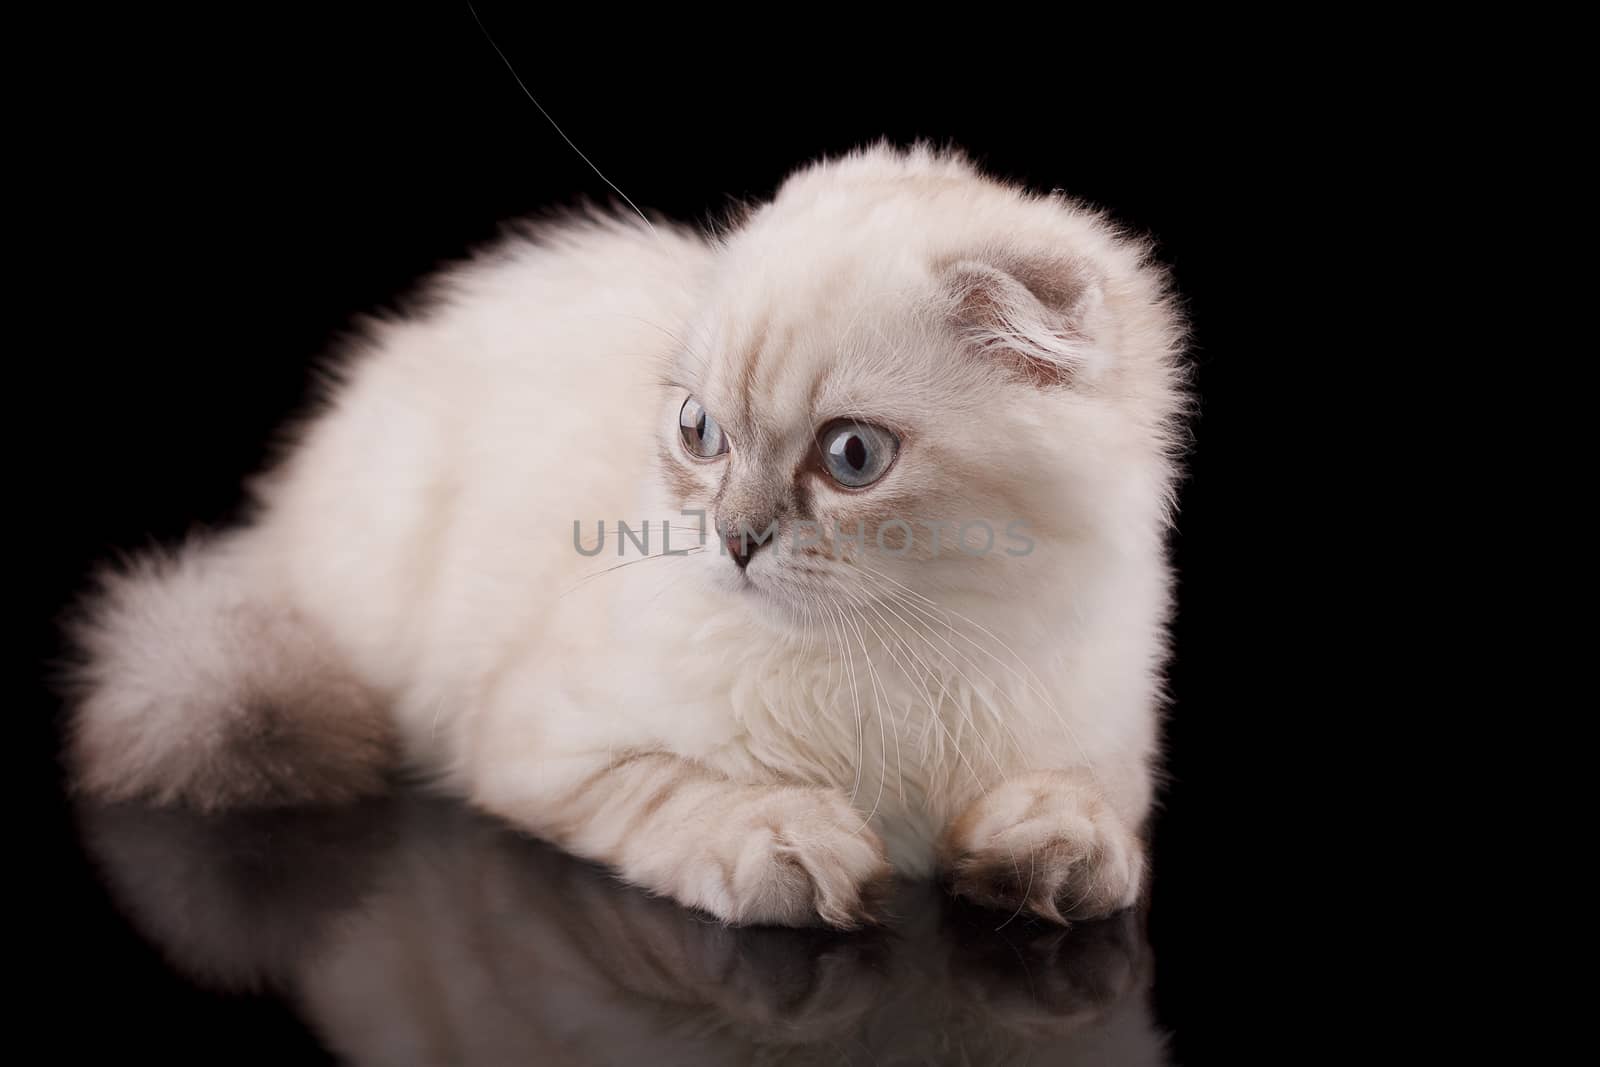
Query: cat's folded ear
{"points": [[1039, 316]]}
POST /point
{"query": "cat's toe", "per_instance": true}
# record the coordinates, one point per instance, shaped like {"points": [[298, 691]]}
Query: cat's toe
{"points": [[807, 859], [1054, 855], [1058, 879]]}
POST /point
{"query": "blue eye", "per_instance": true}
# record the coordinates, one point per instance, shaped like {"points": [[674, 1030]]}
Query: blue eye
{"points": [[701, 435], [857, 453]]}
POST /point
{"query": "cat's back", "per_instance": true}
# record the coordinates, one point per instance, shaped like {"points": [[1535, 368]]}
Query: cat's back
{"points": [[460, 442]]}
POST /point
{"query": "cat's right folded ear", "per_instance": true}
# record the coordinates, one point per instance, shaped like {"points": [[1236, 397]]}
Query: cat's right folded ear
{"points": [[1040, 316]]}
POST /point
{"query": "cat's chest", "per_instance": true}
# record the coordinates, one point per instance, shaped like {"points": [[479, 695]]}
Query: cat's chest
{"points": [[903, 748]]}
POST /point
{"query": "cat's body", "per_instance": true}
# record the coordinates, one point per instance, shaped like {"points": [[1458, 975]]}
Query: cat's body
{"points": [[716, 731]]}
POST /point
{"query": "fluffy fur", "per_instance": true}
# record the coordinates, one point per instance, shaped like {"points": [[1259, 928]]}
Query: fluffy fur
{"points": [[764, 743]]}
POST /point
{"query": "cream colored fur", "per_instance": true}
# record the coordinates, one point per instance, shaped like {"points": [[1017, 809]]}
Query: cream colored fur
{"points": [[764, 747]]}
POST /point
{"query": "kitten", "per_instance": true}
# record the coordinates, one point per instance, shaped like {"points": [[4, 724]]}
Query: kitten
{"points": [[901, 449]]}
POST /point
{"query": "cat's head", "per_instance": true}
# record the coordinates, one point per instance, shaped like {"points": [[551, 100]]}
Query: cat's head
{"points": [[909, 384]]}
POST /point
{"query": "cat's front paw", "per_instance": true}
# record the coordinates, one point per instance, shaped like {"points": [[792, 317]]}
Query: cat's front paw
{"points": [[1044, 842], [795, 857]]}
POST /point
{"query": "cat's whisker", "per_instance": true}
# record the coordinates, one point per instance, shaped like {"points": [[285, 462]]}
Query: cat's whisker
{"points": [[669, 585], [976, 692], [813, 622], [695, 348], [993, 698], [917, 626], [1030, 679], [883, 741], [900, 776], [855, 699], [802, 658], [933, 703], [553, 125], [674, 554], [1016, 867], [909, 597], [829, 657], [983, 789], [682, 345]]}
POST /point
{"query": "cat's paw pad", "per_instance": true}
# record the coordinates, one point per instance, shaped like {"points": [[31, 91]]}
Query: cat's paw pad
{"points": [[800, 857], [1044, 844]]}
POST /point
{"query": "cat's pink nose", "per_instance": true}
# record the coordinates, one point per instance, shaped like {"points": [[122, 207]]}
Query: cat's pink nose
{"points": [[742, 542], [740, 548]]}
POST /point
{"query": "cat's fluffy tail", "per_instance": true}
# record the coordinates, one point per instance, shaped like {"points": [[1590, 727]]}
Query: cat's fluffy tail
{"points": [[197, 684]]}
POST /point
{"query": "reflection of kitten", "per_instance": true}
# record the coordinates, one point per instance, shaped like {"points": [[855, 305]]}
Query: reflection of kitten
{"points": [[894, 342], [413, 932]]}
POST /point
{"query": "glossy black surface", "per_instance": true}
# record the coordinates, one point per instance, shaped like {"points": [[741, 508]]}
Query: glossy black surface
{"points": [[411, 931]]}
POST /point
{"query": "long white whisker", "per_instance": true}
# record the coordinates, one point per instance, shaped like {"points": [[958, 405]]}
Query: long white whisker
{"points": [[933, 709], [1030, 680], [855, 700], [883, 741], [918, 626], [525, 92], [674, 554], [977, 692]]}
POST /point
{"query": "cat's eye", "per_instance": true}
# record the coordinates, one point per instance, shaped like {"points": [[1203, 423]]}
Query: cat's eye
{"points": [[701, 435], [857, 453]]}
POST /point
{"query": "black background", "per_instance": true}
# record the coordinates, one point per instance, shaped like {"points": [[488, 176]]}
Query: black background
{"points": [[217, 198]]}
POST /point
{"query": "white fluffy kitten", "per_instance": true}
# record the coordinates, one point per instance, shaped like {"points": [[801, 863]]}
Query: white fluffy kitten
{"points": [[894, 342]]}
